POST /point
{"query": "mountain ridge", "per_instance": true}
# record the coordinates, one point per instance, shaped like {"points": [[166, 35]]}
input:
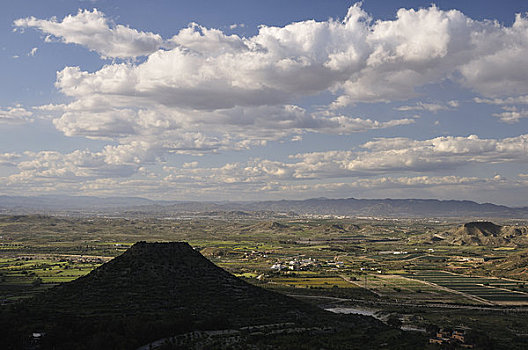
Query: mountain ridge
{"points": [[315, 206]]}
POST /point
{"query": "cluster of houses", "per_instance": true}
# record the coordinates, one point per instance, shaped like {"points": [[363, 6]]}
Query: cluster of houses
{"points": [[255, 254], [393, 252], [84, 259], [296, 264], [370, 269], [304, 264], [456, 337]]}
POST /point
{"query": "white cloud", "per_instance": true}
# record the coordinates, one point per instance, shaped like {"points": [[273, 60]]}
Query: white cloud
{"points": [[190, 165], [33, 52], [245, 87], [382, 156], [503, 101], [51, 107], [453, 103], [93, 30], [511, 115], [499, 55], [358, 59], [118, 169], [15, 115], [364, 60], [297, 138], [400, 184], [81, 165], [378, 157], [259, 179], [390, 155], [204, 91], [236, 25], [430, 107], [8, 159], [204, 131]]}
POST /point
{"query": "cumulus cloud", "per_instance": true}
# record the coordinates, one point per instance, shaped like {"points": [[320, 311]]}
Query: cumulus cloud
{"points": [[363, 59], [8, 159], [379, 157], [204, 131], [390, 155], [499, 55], [15, 115], [373, 187], [511, 114], [376, 159], [204, 91], [367, 170], [94, 31], [263, 172], [203, 76], [266, 179], [236, 25], [503, 101], [74, 166]]}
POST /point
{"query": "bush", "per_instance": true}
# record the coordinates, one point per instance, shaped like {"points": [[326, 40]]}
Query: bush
{"points": [[36, 282], [394, 321]]}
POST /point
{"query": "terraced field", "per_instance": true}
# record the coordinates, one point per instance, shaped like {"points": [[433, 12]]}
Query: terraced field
{"points": [[314, 282], [492, 289]]}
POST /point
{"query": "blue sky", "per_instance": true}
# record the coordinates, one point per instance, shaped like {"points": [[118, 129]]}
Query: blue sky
{"points": [[208, 100]]}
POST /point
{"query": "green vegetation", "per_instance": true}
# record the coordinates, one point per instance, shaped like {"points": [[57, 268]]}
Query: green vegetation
{"points": [[397, 267], [492, 289]]}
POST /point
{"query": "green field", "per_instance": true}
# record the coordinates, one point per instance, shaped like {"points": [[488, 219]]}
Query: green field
{"points": [[492, 289], [314, 282], [23, 276]]}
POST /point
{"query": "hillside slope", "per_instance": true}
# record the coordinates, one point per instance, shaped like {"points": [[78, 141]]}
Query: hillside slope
{"points": [[155, 290], [487, 233]]}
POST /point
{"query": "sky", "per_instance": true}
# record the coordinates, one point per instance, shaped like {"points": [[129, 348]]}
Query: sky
{"points": [[265, 100]]}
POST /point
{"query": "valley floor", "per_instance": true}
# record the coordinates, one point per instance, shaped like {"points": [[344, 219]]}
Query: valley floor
{"points": [[394, 270]]}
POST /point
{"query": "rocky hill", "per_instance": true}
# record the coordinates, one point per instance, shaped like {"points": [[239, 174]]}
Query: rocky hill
{"points": [[487, 233]]}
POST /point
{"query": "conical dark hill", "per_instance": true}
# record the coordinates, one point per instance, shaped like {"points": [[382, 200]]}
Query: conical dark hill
{"points": [[172, 277], [158, 290], [151, 291]]}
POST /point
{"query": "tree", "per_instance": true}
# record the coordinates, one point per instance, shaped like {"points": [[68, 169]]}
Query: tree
{"points": [[36, 282], [394, 321]]}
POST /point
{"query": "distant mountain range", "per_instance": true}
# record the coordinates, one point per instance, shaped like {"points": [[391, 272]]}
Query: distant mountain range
{"points": [[316, 206]]}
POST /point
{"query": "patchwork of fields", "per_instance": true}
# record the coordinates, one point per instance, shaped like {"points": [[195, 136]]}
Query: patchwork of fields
{"points": [[495, 290], [23, 276]]}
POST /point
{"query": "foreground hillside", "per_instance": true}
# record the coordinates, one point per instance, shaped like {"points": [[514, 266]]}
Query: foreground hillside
{"points": [[157, 290]]}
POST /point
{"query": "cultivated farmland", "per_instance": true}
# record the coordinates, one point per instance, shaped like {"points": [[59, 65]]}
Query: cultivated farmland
{"points": [[496, 290]]}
